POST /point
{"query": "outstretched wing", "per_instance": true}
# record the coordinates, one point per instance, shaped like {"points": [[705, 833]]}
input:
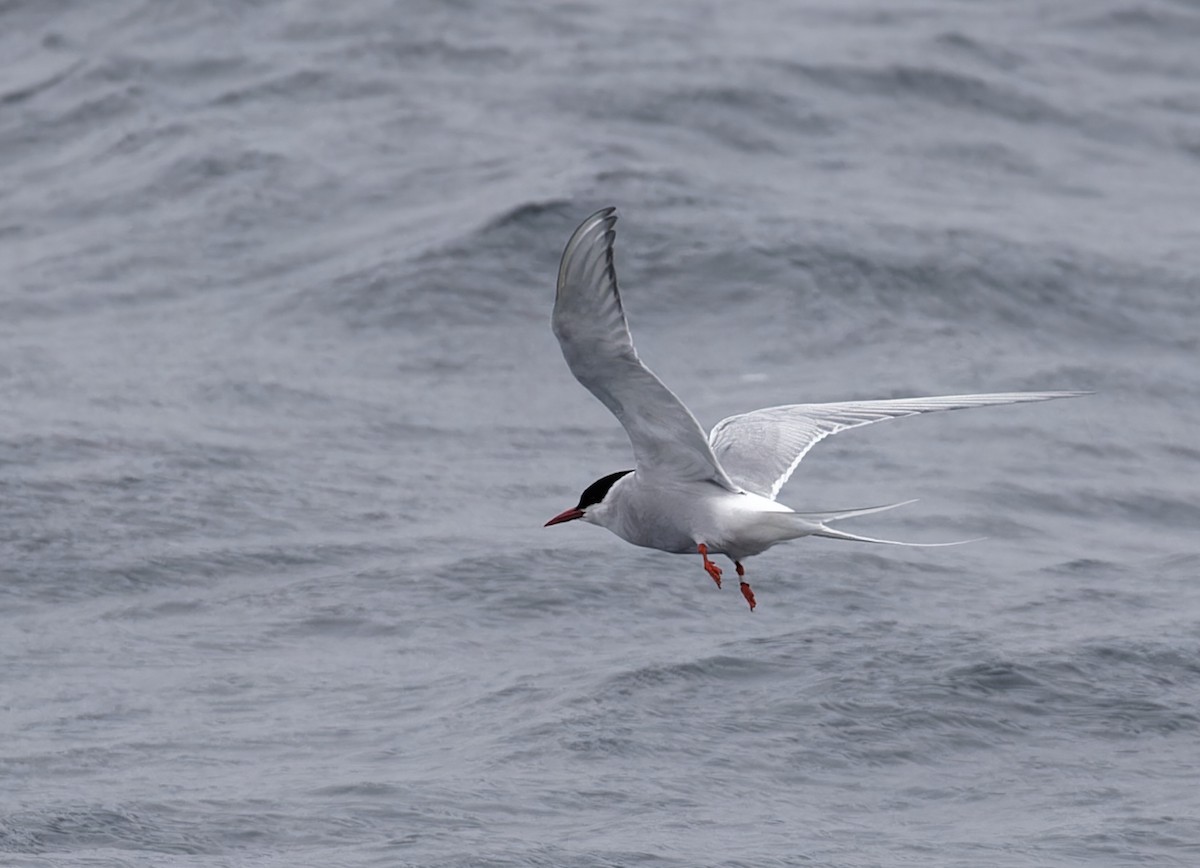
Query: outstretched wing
{"points": [[759, 450], [589, 323]]}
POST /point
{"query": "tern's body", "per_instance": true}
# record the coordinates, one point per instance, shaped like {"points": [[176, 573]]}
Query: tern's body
{"points": [[677, 516], [692, 493]]}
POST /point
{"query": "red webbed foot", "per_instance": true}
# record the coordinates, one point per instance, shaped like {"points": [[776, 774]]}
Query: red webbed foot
{"points": [[749, 595], [709, 567], [746, 591]]}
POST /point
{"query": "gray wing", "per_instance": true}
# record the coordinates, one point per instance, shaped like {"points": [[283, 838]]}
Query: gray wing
{"points": [[759, 450], [589, 323]]}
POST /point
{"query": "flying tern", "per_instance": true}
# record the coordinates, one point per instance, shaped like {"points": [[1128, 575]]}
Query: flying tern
{"points": [[689, 493]]}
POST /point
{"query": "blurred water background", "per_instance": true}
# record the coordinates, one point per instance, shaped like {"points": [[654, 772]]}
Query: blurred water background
{"points": [[281, 417]]}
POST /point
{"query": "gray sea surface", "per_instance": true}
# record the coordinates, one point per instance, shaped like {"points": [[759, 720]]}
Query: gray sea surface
{"points": [[281, 418]]}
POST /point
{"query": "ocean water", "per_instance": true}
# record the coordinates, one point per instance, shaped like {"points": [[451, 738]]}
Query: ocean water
{"points": [[281, 418]]}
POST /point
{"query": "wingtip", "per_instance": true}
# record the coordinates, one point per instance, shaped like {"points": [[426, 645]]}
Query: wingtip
{"points": [[609, 213]]}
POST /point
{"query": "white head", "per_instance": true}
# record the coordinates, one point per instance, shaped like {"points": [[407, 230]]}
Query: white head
{"points": [[593, 504]]}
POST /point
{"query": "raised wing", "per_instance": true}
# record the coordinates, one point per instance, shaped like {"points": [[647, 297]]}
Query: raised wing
{"points": [[589, 323], [759, 450]]}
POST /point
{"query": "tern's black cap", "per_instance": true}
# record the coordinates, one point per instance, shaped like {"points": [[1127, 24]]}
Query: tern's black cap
{"points": [[595, 492]]}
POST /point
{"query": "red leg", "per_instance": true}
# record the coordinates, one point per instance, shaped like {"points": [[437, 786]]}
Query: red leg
{"points": [[711, 568], [746, 592]]}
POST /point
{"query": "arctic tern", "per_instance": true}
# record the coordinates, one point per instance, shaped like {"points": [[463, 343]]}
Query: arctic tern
{"points": [[688, 493]]}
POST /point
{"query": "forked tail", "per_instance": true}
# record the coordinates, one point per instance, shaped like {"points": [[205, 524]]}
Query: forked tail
{"points": [[820, 519]]}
